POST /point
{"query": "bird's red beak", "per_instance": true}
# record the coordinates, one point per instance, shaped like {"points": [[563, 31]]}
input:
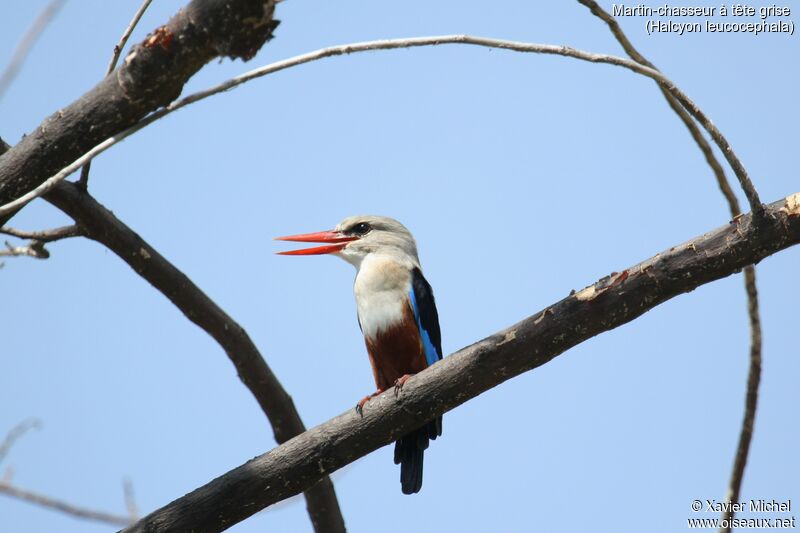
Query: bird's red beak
{"points": [[340, 240]]}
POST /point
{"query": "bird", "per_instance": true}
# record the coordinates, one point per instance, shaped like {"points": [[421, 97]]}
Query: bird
{"points": [[396, 312]]}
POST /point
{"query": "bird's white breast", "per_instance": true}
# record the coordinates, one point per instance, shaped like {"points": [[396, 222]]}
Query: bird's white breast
{"points": [[381, 291]]}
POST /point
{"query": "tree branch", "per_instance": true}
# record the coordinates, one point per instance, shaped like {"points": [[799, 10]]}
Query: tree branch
{"points": [[102, 226], [151, 76], [607, 304]]}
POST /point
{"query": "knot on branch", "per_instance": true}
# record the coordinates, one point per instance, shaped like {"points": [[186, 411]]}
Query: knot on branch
{"points": [[240, 33], [156, 69]]}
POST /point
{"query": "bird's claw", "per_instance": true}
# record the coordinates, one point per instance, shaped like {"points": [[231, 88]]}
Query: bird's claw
{"points": [[399, 382], [362, 402]]}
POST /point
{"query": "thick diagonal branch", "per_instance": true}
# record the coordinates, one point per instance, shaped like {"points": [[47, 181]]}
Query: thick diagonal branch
{"points": [[102, 226], [151, 76], [605, 305]]}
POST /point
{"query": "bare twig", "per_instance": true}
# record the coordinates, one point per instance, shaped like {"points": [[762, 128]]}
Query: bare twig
{"points": [[754, 375], [35, 248], [600, 307], [566, 51], [64, 507], [15, 433], [751, 399], [130, 500], [84, 179], [126, 34], [28, 40], [64, 232], [102, 226], [32, 249]]}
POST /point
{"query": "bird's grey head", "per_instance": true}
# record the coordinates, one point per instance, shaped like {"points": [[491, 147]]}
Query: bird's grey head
{"points": [[356, 238], [376, 235]]}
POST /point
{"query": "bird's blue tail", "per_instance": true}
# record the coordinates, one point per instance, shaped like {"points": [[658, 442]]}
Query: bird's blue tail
{"points": [[409, 453]]}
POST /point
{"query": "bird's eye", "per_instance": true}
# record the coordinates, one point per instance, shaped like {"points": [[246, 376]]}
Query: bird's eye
{"points": [[362, 228]]}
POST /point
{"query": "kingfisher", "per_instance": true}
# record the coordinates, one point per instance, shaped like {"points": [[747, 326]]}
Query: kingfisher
{"points": [[396, 313]]}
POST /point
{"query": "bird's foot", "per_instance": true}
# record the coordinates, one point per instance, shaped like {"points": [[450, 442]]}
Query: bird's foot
{"points": [[399, 382], [364, 400]]}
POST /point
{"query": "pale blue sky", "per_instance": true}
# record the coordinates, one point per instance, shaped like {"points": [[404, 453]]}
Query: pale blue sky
{"points": [[522, 177]]}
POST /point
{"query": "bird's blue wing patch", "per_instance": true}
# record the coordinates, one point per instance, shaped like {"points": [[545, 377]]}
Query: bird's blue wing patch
{"points": [[421, 296]]}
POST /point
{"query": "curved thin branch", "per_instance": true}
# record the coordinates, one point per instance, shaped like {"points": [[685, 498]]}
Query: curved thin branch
{"points": [[102, 226], [15, 433], [602, 306], [388, 44], [28, 40], [515, 46]]}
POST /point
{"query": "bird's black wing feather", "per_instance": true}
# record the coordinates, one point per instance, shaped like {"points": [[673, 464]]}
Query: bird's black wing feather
{"points": [[426, 312]]}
